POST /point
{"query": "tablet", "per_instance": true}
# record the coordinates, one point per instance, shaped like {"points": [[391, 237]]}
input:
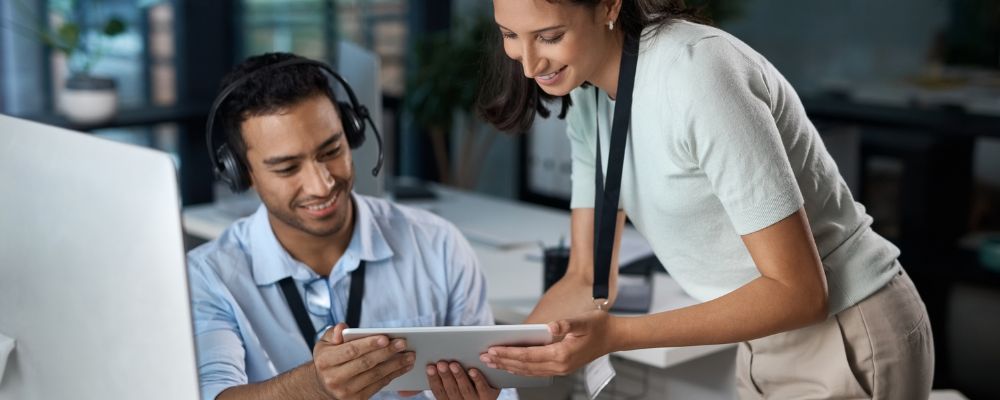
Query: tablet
{"points": [[462, 344]]}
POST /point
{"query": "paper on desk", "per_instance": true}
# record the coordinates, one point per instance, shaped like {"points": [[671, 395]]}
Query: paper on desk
{"points": [[597, 375], [6, 346]]}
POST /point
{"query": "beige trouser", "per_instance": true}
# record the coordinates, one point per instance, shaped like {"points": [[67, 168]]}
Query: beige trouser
{"points": [[880, 348]]}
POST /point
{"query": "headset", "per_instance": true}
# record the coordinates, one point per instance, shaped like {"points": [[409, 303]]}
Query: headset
{"points": [[228, 167]]}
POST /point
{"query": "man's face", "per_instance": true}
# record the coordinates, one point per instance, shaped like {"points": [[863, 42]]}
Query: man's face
{"points": [[300, 164]]}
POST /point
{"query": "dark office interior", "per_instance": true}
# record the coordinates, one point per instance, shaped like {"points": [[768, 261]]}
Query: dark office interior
{"points": [[906, 94]]}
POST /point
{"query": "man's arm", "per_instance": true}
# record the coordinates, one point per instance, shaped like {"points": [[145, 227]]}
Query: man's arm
{"points": [[353, 370], [300, 383], [356, 369]]}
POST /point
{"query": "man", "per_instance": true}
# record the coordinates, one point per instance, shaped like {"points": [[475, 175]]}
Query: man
{"points": [[284, 127]]}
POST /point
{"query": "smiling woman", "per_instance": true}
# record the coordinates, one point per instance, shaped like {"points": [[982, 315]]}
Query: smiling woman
{"points": [[712, 157], [510, 97]]}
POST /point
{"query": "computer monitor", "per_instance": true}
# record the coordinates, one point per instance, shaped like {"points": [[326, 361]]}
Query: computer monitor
{"points": [[93, 284]]}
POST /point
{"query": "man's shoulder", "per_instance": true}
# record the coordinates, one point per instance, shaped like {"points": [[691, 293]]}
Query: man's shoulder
{"points": [[224, 254], [392, 215]]}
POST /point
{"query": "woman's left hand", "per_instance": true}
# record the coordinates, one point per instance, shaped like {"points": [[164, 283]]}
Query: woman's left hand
{"points": [[450, 381], [584, 339]]}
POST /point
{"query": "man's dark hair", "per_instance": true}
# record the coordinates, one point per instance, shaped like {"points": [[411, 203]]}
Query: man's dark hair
{"points": [[266, 93]]}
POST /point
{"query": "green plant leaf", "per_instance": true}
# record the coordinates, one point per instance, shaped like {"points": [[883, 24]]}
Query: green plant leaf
{"points": [[69, 36], [114, 27], [445, 81]]}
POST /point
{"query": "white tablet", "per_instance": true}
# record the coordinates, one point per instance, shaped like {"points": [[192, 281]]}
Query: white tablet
{"points": [[462, 344]]}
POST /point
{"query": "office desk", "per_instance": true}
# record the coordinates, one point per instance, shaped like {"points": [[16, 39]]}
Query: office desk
{"points": [[507, 237]]}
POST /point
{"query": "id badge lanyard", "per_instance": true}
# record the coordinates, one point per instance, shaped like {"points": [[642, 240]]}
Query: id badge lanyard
{"points": [[302, 317], [608, 190]]}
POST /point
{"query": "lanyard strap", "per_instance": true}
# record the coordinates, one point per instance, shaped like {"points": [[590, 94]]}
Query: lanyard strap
{"points": [[608, 190], [302, 317]]}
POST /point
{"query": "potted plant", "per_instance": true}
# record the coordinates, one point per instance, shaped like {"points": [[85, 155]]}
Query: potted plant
{"points": [[441, 92], [86, 98]]}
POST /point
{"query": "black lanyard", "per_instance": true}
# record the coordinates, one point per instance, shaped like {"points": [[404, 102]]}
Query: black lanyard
{"points": [[607, 191], [302, 317]]}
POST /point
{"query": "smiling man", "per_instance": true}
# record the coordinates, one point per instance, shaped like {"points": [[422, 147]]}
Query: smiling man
{"points": [[265, 293]]}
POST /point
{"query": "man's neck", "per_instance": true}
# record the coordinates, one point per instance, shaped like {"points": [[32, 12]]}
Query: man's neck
{"points": [[319, 253]]}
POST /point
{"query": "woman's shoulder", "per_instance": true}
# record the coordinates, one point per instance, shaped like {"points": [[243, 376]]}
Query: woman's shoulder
{"points": [[677, 33], [686, 44]]}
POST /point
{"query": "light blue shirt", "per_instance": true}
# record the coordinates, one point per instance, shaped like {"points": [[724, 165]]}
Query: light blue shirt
{"points": [[420, 272]]}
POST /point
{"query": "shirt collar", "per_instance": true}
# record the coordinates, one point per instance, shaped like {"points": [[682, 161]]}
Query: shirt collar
{"points": [[271, 262]]}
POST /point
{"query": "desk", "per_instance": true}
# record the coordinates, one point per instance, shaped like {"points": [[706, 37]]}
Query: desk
{"points": [[506, 237]]}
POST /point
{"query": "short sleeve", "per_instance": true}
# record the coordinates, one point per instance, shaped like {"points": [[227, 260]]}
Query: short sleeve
{"points": [[579, 121], [733, 136]]}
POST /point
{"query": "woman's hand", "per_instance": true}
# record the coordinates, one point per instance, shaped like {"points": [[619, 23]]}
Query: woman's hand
{"points": [[584, 339], [450, 381]]}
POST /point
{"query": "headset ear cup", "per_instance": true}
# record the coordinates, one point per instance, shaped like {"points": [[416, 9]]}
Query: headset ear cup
{"points": [[232, 171], [354, 127]]}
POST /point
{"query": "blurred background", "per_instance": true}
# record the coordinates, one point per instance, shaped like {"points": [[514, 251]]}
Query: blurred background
{"points": [[906, 94]]}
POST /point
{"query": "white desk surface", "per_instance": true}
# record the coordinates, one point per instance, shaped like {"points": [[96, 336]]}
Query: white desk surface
{"points": [[507, 237]]}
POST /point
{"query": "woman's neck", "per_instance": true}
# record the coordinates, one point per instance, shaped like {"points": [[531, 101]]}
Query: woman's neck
{"points": [[606, 76]]}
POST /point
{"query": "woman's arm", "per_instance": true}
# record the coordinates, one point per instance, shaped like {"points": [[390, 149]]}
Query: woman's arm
{"points": [[572, 295], [790, 293]]}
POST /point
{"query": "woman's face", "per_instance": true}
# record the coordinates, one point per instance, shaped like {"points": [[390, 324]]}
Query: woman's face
{"points": [[559, 45]]}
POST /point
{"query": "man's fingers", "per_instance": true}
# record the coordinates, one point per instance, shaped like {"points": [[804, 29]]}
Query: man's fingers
{"points": [[479, 380], [381, 383], [465, 386], [335, 335], [399, 362], [448, 379], [434, 381], [357, 349], [374, 357]]}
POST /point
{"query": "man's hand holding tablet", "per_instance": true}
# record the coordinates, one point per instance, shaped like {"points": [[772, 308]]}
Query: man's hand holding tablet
{"points": [[449, 356], [358, 368]]}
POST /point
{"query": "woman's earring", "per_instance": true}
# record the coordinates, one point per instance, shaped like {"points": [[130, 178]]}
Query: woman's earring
{"points": [[611, 25]]}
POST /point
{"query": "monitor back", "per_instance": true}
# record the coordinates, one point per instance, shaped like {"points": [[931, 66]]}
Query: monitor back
{"points": [[93, 285]]}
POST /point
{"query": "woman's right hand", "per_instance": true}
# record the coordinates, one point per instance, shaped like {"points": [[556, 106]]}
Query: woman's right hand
{"points": [[583, 339]]}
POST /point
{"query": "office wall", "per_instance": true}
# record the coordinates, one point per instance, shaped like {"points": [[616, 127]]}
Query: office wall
{"points": [[815, 43]]}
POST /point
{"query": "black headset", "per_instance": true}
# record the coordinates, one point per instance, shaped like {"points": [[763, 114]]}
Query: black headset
{"points": [[228, 167]]}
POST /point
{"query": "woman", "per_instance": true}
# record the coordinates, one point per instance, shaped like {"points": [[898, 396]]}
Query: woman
{"points": [[730, 183]]}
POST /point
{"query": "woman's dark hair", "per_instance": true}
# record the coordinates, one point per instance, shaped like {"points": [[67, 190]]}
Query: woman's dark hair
{"points": [[267, 93], [508, 100]]}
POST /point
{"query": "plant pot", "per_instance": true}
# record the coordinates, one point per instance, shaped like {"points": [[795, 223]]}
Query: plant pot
{"points": [[88, 99]]}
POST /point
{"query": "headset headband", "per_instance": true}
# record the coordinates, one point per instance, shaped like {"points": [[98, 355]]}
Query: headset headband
{"points": [[360, 110]]}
